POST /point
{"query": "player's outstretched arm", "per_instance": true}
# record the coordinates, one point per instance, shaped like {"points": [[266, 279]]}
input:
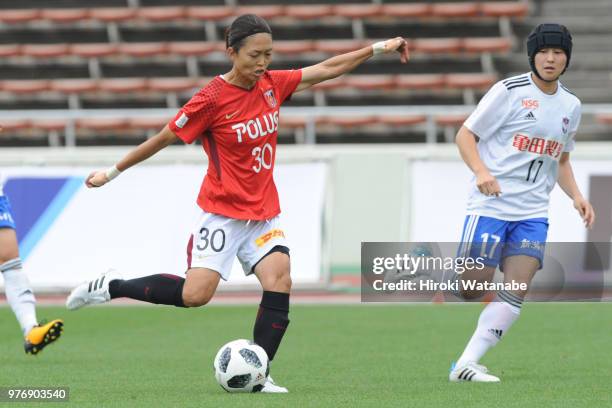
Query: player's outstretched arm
{"points": [[142, 152], [466, 142], [567, 182], [341, 64]]}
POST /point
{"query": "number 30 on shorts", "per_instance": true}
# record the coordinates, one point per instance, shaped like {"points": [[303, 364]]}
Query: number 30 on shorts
{"points": [[216, 240]]}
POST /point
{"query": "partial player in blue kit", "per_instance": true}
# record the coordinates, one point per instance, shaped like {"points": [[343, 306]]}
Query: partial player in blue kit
{"points": [[19, 294], [517, 142]]}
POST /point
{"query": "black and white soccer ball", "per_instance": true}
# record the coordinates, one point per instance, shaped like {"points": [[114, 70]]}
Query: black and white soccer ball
{"points": [[241, 366]]}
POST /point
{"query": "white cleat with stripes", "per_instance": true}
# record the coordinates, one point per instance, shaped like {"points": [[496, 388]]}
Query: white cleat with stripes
{"points": [[271, 387], [471, 372], [92, 292]]}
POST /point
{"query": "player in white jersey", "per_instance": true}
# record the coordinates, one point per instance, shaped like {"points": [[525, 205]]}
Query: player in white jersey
{"points": [[19, 294], [517, 143]]}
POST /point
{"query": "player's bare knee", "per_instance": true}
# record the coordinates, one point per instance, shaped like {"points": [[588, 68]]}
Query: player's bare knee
{"points": [[278, 281], [193, 298]]}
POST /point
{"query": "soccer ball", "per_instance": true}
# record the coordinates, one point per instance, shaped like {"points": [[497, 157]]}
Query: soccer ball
{"points": [[241, 366]]}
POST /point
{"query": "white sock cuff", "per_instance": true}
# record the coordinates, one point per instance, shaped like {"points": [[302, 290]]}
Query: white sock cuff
{"points": [[511, 299], [14, 263]]}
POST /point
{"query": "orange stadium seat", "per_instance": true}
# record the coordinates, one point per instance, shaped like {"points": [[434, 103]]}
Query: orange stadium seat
{"points": [[188, 48], [14, 124], [357, 10], [419, 81], [112, 14], [402, 120], [45, 50], [266, 12], [293, 47], [339, 46], [143, 49], [62, 15], [436, 45], [102, 124], [93, 50], [74, 86], [309, 12], [451, 119], [453, 10], [9, 50], [148, 122], [477, 80], [505, 9], [49, 125], [480, 45], [25, 86], [160, 14], [604, 118], [409, 10], [347, 121], [19, 16], [292, 122], [211, 13], [370, 82], [201, 82], [172, 84], [335, 83], [123, 85]]}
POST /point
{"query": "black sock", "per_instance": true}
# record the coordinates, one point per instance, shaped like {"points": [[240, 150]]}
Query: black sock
{"points": [[162, 289], [272, 321]]}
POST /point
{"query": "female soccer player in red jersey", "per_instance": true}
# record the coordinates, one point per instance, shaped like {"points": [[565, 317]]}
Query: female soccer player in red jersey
{"points": [[236, 118]]}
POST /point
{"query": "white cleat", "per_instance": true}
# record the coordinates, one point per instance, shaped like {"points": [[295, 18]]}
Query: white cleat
{"points": [[271, 387], [92, 292], [471, 372]]}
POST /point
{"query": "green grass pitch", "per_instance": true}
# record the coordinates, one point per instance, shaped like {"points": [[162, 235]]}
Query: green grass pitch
{"points": [[556, 355]]}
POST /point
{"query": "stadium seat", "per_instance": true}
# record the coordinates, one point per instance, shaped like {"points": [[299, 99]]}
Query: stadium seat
{"points": [[339, 46], [160, 14], [370, 82], [604, 118], [480, 45], [45, 50], [19, 16], [436, 45], [347, 121], [143, 49], [292, 122], [402, 120], [455, 10], [452, 119], [73, 86], [148, 122], [102, 124], [93, 50], [419, 81], [25, 86], [8, 125], [112, 14], [408, 10], [210, 13], [293, 47], [357, 10], [309, 12], [505, 9], [123, 85], [49, 125], [331, 84], [9, 50], [266, 12], [172, 84], [63, 15], [188, 48], [477, 80]]}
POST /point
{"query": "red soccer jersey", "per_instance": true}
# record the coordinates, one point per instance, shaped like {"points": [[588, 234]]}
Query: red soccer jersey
{"points": [[238, 129]]}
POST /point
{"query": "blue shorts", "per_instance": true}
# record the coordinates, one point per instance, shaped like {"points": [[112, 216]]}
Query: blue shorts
{"points": [[493, 239], [6, 217]]}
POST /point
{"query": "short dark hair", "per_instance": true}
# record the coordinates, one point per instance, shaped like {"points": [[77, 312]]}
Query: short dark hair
{"points": [[245, 26]]}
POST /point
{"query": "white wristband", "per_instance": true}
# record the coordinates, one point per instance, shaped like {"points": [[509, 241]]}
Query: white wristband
{"points": [[112, 172], [379, 47]]}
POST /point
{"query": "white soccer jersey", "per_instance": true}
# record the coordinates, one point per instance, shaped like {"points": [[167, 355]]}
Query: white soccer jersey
{"points": [[522, 133]]}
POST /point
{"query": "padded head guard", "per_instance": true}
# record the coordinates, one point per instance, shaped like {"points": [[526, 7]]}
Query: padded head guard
{"points": [[548, 36]]}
